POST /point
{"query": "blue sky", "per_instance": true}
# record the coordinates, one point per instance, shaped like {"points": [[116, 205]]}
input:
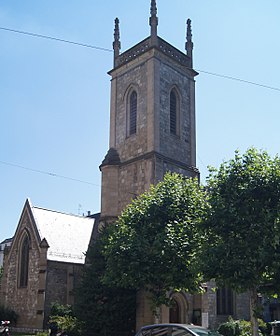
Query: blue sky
{"points": [[54, 97]]}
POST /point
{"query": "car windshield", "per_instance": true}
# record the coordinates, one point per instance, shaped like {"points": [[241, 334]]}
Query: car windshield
{"points": [[203, 331]]}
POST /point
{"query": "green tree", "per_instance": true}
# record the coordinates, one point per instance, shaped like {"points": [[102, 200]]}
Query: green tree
{"points": [[154, 244], [103, 309], [242, 241]]}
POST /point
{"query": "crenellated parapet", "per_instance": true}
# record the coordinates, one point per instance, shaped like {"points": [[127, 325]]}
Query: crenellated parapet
{"points": [[174, 53], [146, 45]]}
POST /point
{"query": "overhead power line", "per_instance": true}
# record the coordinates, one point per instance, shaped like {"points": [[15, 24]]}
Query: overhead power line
{"points": [[55, 39], [47, 173], [110, 50], [56, 175], [239, 80]]}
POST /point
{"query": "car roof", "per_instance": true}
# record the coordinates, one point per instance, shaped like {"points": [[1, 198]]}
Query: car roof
{"points": [[172, 325]]}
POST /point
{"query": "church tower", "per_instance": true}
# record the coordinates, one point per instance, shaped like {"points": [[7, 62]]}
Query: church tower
{"points": [[152, 117]]}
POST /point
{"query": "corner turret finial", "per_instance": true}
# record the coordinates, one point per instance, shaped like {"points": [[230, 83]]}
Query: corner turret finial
{"points": [[153, 19], [153, 8], [116, 43], [189, 43]]}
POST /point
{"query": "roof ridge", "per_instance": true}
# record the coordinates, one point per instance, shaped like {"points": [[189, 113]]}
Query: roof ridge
{"points": [[59, 212]]}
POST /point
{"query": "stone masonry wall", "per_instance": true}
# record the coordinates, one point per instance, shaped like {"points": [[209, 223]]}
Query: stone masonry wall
{"points": [[163, 166], [134, 178], [177, 147], [241, 307], [131, 146], [62, 279], [22, 299]]}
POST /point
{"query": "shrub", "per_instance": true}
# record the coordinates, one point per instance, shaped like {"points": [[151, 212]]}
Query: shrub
{"points": [[265, 328], [45, 333], [61, 310], [70, 324], [62, 316], [243, 328], [8, 314], [230, 328]]}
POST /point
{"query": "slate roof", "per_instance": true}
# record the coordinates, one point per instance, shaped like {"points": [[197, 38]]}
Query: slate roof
{"points": [[7, 241], [68, 236]]}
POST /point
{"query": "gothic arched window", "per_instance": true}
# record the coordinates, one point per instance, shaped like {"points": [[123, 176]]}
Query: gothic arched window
{"points": [[24, 261], [174, 112], [132, 113]]}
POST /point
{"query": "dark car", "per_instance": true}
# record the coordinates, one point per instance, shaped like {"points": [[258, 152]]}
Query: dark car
{"points": [[172, 329]]}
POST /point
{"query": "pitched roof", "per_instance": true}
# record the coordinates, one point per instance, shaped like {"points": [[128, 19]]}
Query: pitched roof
{"points": [[68, 236], [7, 241]]}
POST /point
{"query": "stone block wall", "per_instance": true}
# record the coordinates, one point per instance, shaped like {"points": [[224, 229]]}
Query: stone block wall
{"points": [[134, 178], [164, 165], [177, 147], [135, 145], [240, 307], [243, 306], [23, 300], [61, 281]]}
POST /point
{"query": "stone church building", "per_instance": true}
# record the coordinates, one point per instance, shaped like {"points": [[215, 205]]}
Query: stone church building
{"points": [[152, 131], [44, 262]]}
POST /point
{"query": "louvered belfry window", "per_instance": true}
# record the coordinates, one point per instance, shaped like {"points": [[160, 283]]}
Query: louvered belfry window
{"points": [[173, 112], [132, 113], [24, 261]]}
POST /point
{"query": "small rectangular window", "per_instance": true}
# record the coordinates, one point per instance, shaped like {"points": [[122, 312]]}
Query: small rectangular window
{"points": [[224, 301]]}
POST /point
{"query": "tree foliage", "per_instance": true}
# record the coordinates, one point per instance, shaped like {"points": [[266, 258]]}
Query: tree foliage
{"points": [[103, 309], [242, 249], [243, 228], [154, 244]]}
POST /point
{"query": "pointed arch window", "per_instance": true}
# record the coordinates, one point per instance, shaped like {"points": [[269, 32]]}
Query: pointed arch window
{"points": [[132, 113], [24, 262], [174, 113]]}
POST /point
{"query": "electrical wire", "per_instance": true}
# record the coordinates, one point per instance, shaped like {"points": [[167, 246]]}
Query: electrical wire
{"points": [[107, 50], [55, 39], [110, 50], [239, 80], [47, 173], [55, 175]]}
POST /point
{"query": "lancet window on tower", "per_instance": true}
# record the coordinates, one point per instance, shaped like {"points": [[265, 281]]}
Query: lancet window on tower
{"points": [[174, 112], [24, 262], [132, 112]]}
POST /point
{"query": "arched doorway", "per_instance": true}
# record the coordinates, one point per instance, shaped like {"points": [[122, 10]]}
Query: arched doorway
{"points": [[178, 310], [174, 312]]}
